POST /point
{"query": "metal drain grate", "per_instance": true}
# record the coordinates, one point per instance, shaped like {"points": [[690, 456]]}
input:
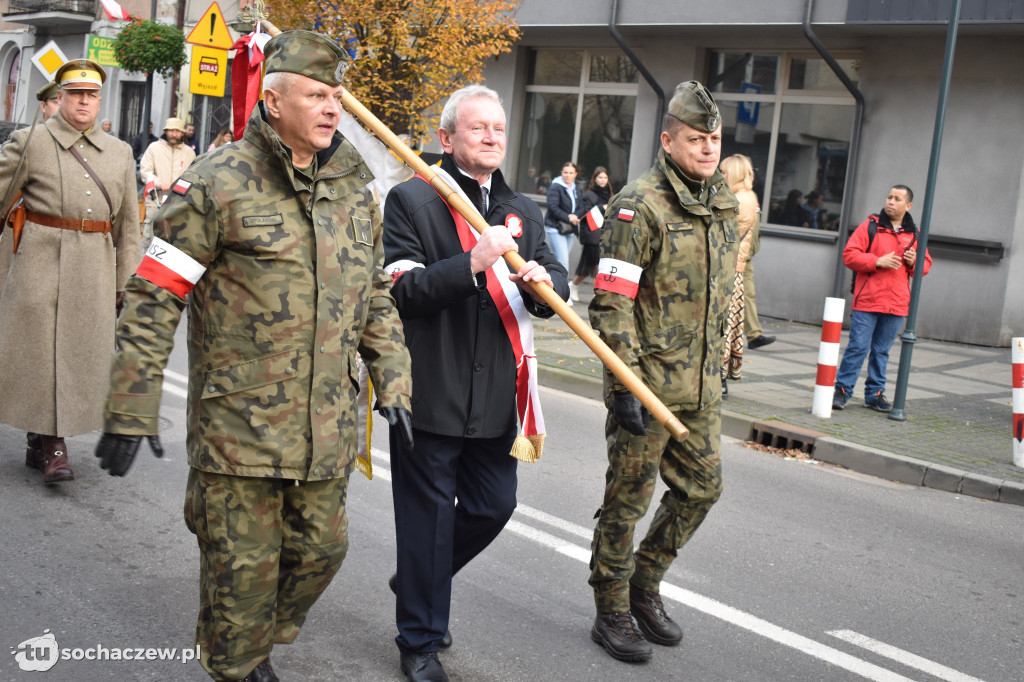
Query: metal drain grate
{"points": [[785, 436]]}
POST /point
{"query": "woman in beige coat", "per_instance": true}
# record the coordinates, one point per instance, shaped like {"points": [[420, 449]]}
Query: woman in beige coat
{"points": [[57, 298]]}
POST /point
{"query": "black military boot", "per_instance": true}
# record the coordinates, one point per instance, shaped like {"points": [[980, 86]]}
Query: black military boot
{"points": [[34, 452], [262, 673], [617, 633], [651, 617]]}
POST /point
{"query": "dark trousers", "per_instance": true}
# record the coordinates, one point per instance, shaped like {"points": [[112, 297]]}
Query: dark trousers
{"points": [[436, 536]]}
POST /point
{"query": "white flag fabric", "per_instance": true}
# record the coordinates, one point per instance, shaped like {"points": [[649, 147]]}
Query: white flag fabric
{"points": [[114, 11], [387, 170]]}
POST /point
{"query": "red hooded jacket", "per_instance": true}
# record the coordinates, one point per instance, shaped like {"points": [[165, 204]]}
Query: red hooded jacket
{"points": [[882, 290]]}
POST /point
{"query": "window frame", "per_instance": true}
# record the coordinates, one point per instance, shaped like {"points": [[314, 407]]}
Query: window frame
{"points": [[584, 88], [782, 96]]}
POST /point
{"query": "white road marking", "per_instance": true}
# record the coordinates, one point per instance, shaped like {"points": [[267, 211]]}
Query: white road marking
{"points": [[696, 601], [904, 657]]}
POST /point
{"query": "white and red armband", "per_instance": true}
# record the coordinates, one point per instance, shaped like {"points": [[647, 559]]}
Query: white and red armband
{"points": [[170, 268], [618, 276], [396, 269]]}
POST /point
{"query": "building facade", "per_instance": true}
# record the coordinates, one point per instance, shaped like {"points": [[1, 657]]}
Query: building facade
{"points": [[582, 84]]}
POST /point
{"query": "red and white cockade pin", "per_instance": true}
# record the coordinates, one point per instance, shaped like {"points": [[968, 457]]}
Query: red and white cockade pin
{"points": [[514, 225]]}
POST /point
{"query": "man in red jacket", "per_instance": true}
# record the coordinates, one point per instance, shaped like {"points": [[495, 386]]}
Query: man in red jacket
{"points": [[882, 255]]}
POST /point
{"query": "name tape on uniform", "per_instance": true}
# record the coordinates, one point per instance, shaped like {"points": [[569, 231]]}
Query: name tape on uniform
{"points": [[618, 276], [170, 268]]}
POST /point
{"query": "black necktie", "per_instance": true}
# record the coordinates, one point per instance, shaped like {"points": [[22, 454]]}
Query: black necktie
{"points": [[483, 193]]}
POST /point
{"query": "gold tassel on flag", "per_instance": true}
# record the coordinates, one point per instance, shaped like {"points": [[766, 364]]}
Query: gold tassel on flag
{"points": [[528, 449]]}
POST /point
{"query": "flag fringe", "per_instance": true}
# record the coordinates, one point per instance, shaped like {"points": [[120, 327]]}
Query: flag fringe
{"points": [[528, 448]]}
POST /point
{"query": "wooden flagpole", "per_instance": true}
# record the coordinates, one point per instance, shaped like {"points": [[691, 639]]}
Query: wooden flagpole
{"points": [[516, 262]]}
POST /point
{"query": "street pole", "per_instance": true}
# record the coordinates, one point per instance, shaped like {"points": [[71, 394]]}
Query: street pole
{"points": [[147, 107], [909, 337]]}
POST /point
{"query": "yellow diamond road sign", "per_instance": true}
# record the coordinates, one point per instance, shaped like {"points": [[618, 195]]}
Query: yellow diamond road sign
{"points": [[211, 31], [48, 59]]}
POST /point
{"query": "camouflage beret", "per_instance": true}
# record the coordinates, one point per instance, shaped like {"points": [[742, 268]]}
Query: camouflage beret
{"points": [[693, 105], [308, 54], [48, 91]]}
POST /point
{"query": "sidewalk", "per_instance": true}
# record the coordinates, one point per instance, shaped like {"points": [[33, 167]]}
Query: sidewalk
{"points": [[957, 436]]}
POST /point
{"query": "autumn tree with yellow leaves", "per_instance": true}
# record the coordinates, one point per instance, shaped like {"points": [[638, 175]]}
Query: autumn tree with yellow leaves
{"points": [[408, 55]]}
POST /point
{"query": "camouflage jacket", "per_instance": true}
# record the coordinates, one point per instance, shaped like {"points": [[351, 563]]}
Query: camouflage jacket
{"points": [[288, 286], [661, 298]]}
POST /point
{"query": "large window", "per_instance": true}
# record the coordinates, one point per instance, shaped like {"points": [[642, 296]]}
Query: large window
{"points": [[579, 107], [790, 114]]}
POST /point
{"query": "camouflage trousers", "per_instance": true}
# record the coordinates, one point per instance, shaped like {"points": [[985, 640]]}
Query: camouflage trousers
{"points": [[692, 470], [268, 548]]}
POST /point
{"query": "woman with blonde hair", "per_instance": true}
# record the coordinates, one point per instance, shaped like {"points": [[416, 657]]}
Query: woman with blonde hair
{"points": [[223, 137], [739, 175]]}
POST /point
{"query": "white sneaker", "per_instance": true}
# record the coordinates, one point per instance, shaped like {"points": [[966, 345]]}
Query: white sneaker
{"points": [[574, 293]]}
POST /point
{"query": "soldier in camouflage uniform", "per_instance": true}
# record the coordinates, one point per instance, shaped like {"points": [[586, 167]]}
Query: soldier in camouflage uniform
{"points": [[660, 302], [274, 245]]}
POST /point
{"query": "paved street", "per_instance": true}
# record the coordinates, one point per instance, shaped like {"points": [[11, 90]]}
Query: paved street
{"points": [[957, 435], [803, 571]]}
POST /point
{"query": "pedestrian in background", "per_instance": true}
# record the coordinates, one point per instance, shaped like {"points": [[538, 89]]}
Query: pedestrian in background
{"points": [[561, 220], [882, 254], [456, 488], [739, 174], [107, 126], [668, 262], [597, 196], [142, 141], [190, 140], [64, 285], [274, 246], [48, 97], [162, 164], [223, 137]]}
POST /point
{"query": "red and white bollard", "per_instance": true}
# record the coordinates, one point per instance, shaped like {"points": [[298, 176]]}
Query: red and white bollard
{"points": [[828, 357], [1017, 357]]}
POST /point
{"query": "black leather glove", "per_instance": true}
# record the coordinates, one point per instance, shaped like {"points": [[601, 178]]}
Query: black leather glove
{"points": [[116, 451], [400, 417], [630, 414]]}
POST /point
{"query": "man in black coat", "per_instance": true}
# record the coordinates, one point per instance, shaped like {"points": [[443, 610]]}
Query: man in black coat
{"points": [[464, 363]]}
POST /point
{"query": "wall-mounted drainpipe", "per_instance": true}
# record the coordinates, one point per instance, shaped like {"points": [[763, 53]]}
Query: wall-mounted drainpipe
{"points": [[644, 72], [851, 166]]}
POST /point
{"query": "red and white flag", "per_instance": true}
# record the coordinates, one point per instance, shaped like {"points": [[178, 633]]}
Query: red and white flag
{"points": [[595, 219], [114, 11]]}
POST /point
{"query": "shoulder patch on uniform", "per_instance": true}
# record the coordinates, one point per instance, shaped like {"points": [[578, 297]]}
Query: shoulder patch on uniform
{"points": [[181, 186], [626, 215]]}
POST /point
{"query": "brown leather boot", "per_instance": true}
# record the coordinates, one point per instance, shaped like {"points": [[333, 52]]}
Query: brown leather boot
{"points": [[651, 617], [34, 452], [617, 633], [55, 453]]}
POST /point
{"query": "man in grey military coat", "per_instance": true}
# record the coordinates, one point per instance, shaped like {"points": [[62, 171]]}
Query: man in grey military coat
{"points": [[79, 243]]}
